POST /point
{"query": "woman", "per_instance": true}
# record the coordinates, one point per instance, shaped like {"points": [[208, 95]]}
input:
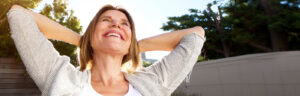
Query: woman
{"points": [[107, 44]]}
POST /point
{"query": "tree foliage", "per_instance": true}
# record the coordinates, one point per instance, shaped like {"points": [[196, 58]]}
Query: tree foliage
{"points": [[244, 26], [7, 48], [56, 11]]}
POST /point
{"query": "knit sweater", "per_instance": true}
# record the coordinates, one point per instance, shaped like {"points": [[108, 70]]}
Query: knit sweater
{"points": [[56, 76]]}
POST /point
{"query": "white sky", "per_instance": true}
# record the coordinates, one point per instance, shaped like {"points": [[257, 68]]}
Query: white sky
{"points": [[148, 16]]}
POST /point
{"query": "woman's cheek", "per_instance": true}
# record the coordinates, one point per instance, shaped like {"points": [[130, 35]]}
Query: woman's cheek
{"points": [[128, 33]]}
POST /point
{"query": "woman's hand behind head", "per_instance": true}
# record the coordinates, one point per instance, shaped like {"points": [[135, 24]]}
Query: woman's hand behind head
{"points": [[199, 30], [15, 7]]}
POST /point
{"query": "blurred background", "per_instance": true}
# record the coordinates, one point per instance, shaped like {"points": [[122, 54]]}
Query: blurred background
{"points": [[233, 27]]}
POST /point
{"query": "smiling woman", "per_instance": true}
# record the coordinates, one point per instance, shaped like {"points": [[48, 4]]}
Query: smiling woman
{"points": [[110, 21], [107, 44]]}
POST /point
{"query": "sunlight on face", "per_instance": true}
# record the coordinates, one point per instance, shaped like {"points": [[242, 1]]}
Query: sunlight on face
{"points": [[112, 33]]}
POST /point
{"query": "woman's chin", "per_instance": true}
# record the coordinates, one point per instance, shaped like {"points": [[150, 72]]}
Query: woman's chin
{"points": [[112, 48], [115, 50]]}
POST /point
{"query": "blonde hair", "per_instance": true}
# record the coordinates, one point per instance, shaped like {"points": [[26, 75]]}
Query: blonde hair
{"points": [[86, 50]]}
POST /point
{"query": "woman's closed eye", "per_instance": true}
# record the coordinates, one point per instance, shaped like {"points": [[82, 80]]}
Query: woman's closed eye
{"points": [[125, 23], [105, 19]]}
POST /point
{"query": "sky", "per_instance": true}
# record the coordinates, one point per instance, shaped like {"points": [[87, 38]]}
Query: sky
{"points": [[148, 15]]}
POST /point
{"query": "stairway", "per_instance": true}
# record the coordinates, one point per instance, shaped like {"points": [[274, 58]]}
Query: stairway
{"points": [[14, 81]]}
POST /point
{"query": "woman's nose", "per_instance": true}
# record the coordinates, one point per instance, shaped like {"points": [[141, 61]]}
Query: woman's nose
{"points": [[115, 24]]}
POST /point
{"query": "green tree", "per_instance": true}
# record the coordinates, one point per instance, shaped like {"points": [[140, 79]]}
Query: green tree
{"points": [[272, 25], [244, 26], [276, 19], [7, 48], [56, 11], [146, 63], [215, 42]]}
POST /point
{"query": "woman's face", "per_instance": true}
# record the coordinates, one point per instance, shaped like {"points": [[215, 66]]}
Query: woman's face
{"points": [[112, 33]]}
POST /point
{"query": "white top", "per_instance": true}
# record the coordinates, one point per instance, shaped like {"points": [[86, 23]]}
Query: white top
{"points": [[88, 90]]}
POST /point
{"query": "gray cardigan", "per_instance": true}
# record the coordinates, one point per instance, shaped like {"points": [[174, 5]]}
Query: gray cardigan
{"points": [[56, 76]]}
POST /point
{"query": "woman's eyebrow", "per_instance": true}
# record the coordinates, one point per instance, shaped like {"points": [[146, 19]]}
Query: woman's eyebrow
{"points": [[125, 20], [105, 17]]}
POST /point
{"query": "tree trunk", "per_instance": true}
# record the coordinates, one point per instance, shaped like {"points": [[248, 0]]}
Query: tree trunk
{"points": [[219, 28], [258, 46], [278, 39], [218, 50]]}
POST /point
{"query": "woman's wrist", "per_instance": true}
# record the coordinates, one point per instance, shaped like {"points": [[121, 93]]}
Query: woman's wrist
{"points": [[141, 45]]}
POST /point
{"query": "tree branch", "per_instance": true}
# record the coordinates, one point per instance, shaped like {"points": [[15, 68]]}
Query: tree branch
{"points": [[220, 14], [267, 7], [207, 16], [221, 31]]}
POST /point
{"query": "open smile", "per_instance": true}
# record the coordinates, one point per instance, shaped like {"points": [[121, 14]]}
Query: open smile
{"points": [[113, 33]]}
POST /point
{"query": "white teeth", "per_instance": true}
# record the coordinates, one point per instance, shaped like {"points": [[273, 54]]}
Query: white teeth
{"points": [[113, 34]]}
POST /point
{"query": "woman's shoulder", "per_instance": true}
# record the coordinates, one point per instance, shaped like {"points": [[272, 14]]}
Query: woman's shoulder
{"points": [[69, 79]]}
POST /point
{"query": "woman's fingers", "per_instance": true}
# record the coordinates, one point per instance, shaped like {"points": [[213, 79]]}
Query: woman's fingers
{"points": [[15, 6], [199, 30]]}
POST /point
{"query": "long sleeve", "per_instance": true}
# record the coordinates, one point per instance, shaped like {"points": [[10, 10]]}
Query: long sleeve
{"points": [[174, 67], [39, 56]]}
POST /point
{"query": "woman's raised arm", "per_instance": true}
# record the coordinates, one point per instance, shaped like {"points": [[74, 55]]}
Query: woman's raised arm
{"points": [[170, 71], [51, 29], [167, 41]]}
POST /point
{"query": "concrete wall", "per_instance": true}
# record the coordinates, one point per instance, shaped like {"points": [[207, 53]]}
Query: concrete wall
{"points": [[268, 74]]}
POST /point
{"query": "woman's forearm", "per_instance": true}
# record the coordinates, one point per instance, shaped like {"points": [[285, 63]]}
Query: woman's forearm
{"points": [[51, 29], [167, 41]]}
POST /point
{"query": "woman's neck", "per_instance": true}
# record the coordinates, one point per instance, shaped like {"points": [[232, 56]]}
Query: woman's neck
{"points": [[106, 69]]}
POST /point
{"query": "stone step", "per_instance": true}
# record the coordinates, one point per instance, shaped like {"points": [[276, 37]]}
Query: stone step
{"points": [[22, 81], [20, 94], [17, 85], [12, 66], [16, 91], [13, 76], [14, 81], [7, 60], [12, 71]]}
